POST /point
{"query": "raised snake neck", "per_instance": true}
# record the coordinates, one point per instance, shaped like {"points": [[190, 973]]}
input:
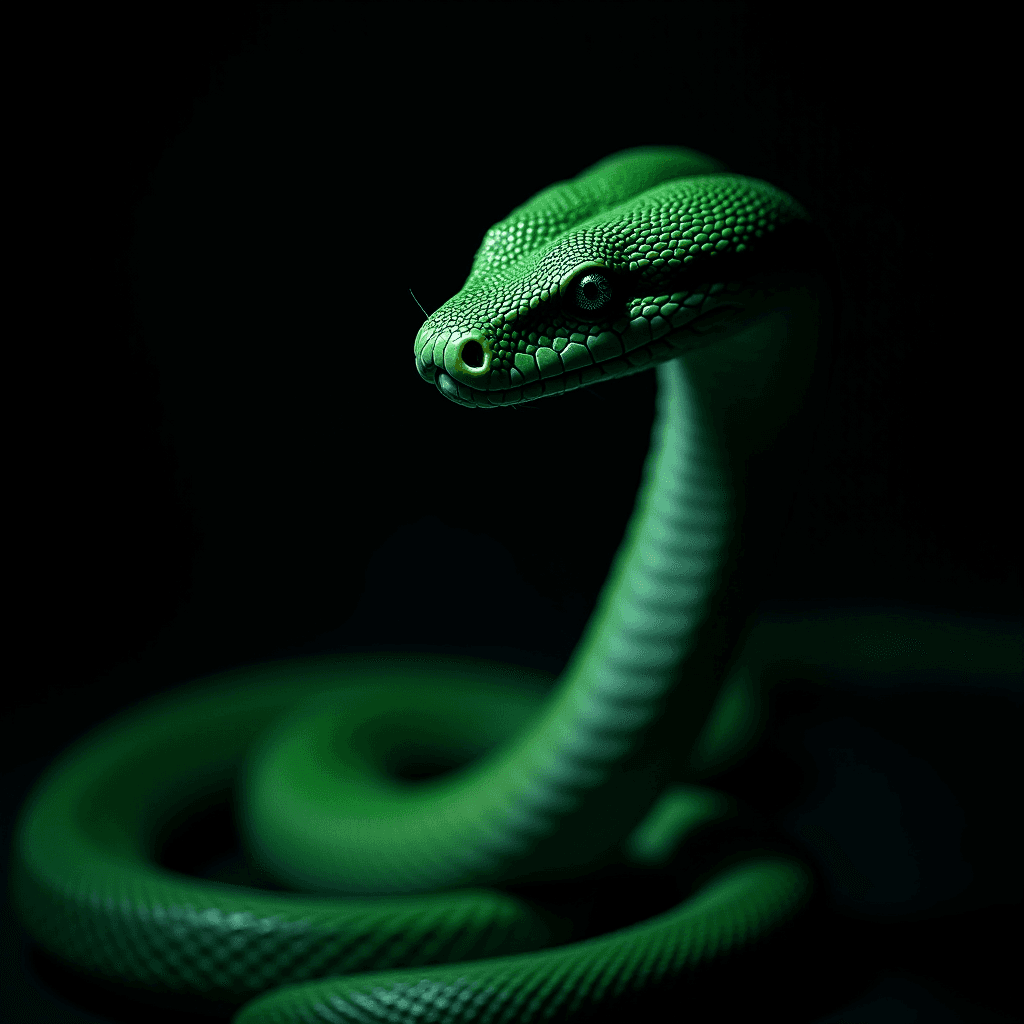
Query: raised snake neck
{"points": [[653, 257]]}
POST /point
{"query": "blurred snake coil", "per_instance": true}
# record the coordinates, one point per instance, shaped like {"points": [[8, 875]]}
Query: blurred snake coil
{"points": [[435, 898]]}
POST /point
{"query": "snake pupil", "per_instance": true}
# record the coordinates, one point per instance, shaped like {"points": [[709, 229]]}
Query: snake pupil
{"points": [[593, 293]]}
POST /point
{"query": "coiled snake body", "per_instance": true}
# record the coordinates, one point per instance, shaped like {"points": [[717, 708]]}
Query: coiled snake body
{"points": [[652, 258]]}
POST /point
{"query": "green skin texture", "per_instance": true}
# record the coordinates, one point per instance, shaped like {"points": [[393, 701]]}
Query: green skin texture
{"points": [[397, 914]]}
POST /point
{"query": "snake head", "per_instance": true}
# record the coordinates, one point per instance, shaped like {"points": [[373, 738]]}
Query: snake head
{"points": [[556, 302]]}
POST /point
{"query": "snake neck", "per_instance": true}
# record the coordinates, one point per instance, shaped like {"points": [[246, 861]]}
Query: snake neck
{"points": [[668, 624], [568, 790]]}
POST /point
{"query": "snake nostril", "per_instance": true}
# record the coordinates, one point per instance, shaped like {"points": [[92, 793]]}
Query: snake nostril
{"points": [[473, 354]]}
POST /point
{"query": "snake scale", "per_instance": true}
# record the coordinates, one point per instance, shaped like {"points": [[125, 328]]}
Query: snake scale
{"points": [[401, 899]]}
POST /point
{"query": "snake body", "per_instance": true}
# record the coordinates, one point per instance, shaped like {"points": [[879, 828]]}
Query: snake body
{"points": [[406, 906]]}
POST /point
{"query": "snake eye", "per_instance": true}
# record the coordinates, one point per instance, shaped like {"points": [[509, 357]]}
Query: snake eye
{"points": [[588, 292], [592, 293]]}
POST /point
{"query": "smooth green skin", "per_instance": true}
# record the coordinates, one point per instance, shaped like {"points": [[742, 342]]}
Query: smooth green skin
{"points": [[596, 772]]}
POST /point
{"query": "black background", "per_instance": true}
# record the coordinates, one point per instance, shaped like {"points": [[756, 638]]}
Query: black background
{"points": [[228, 456]]}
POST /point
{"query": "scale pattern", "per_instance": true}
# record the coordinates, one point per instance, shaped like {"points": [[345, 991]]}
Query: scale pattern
{"points": [[565, 984]]}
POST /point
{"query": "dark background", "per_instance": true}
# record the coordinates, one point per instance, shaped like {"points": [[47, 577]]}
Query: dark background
{"points": [[227, 454]]}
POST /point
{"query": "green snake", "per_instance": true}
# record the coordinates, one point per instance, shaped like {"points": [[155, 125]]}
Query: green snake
{"points": [[408, 900]]}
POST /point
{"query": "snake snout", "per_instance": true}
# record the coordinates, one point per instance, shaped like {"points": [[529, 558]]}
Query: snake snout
{"points": [[426, 370]]}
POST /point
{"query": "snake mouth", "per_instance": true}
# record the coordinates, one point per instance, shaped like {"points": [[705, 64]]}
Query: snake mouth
{"points": [[446, 384], [448, 387], [696, 333]]}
